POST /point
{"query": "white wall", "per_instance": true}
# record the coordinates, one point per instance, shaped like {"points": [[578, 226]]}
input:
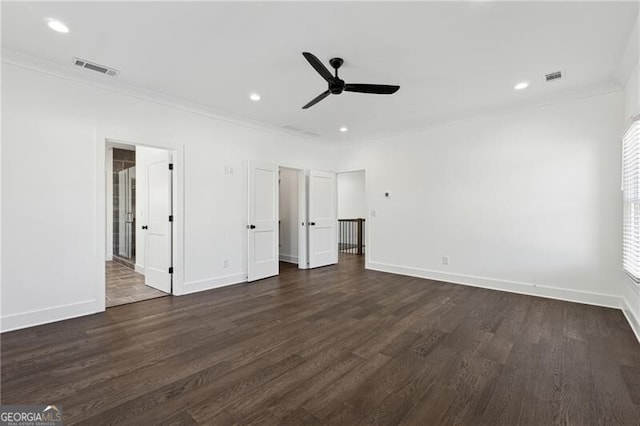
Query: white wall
{"points": [[49, 169], [289, 215], [552, 216], [517, 201], [632, 93], [143, 153], [629, 74], [351, 195], [631, 290]]}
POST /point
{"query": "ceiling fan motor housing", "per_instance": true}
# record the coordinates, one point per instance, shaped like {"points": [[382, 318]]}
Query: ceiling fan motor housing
{"points": [[337, 86]]}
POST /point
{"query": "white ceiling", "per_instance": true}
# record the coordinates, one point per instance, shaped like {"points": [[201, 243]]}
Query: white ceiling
{"points": [[450, 59]]}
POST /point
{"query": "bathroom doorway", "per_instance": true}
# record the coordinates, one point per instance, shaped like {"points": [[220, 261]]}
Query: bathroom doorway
{"points": [[137, 177]]}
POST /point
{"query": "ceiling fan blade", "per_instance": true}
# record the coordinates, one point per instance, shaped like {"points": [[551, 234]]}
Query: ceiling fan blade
{"points": [[318, 66], [378, 89], [317, 99]]}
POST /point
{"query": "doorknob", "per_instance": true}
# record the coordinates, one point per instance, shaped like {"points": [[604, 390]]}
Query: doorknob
{"points": [[251, 227], [145, 227], [312, 223]]}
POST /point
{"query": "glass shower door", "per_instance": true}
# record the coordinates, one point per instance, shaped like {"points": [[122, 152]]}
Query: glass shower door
{"points": [[125, 214]]}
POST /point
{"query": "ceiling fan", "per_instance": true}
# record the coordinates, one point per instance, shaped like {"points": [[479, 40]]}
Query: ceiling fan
{"points": [[337, 86]]}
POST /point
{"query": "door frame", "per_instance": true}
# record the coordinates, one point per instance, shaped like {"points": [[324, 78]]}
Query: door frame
{"points": [[303, 216], [100, 205], [367, 202]]}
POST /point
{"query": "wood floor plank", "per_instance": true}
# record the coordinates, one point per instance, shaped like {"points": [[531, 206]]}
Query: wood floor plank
{"points": [[337, 345]]}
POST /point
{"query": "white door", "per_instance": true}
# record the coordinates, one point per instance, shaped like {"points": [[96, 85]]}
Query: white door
{"points": [[157, 240], [302, 220], [323, 219], [262, 226]]}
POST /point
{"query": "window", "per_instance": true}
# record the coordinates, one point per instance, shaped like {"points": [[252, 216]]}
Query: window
{"points": [[631, 201]]}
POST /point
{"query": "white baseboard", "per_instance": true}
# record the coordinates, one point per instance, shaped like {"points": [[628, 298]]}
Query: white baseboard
{"points": [[47, 315], [632, 319], [288, 258], [139, 268], [108, 257], [211, 283], [530, 289], [632, 310]]}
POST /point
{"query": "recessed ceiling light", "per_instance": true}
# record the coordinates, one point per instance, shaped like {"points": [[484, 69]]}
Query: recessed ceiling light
{"points": [[254, 97], [57, 26], [343, 129], [521, 85]]}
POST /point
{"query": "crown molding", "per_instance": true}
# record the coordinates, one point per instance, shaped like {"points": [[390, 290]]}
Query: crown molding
{"points": [[112, 84], [601, 89], [630, 56]]}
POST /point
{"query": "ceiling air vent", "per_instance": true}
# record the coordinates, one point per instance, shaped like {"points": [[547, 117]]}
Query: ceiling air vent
{"points": [[299, 130], [292, 128], [95, 67], [557, 75]]}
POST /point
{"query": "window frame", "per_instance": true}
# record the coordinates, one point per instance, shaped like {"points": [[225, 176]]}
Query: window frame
{"points": [[630, 185]]}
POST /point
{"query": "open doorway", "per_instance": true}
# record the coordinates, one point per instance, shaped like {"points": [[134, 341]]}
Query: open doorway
{"points": [[352, 211], [316, 233], [139, 221], [291, 218]]}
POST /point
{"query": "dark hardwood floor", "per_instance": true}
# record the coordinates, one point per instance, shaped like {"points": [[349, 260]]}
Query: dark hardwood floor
{"points": [[336, 345]]}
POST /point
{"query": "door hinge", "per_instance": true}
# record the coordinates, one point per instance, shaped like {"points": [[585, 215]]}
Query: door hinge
{"points": [[170, 166], [170, 218], [171, 270]]}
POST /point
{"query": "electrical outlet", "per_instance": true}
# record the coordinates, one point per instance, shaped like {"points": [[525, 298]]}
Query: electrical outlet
{"points": [[445, 260], [228, 170], [373, 213], [226, 263]]}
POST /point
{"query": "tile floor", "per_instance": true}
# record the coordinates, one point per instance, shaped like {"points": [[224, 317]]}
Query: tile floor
{"points": [[124, 285]]}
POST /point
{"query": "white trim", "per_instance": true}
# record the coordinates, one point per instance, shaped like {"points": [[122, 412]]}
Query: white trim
{"points": [[303, 218], [177, 151], [635, 287], [530, 289], [288, 258], [108, 257], [109, 201], [73, 73], [48, 315], [139, 268], [632, 319], [593, 91], [211, 283], [630, 56], [633, 316]]}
